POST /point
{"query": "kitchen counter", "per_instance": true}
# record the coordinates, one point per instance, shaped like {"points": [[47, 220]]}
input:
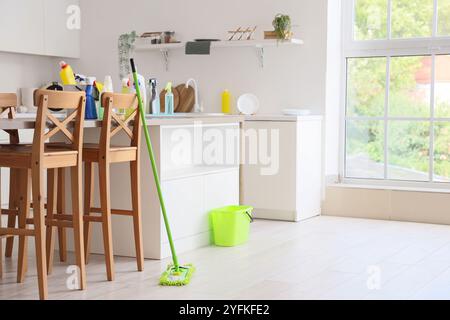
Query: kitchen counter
{"points": [[27, 120], [193, 182], [281, 118]]}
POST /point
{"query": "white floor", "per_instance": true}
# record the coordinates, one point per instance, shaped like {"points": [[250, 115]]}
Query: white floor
{"points": [[323, 258]]}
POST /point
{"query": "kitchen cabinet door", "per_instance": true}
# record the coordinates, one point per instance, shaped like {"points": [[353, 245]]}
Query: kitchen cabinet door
{"points": [[185, 207], [21, 26], [222, 190], [61, 29]]}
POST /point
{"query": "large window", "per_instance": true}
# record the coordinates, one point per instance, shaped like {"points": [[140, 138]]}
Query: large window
{"points": [[397, 106]]}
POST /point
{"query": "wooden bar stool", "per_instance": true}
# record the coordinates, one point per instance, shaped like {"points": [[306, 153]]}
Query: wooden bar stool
{"points": [[104, 154], [8, 105], [33, 160]]}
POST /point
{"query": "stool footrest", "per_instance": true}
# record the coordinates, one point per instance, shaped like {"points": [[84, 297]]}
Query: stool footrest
{"points": [[16, 232], [58, 223], [93, 219], [114, 211], [8, 212]]}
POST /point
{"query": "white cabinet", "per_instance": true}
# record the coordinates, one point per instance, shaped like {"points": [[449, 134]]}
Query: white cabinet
{"points": [[289, 186], [22, 26], [38, 27], [62, 38]]}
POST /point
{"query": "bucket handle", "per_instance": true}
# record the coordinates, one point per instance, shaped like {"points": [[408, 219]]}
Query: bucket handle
{"points": [[249, 214]]}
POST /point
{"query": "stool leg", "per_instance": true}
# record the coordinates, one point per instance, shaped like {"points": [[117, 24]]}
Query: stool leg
{"points": [[77, 205], [39, 227], [24, 212], [13, 192], [88, 191], [105, 200], [51, 199], [136, 203], [61, 209], [1, 258]]}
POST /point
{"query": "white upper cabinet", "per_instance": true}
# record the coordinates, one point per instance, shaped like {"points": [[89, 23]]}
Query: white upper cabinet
{"points": [[61, 28], [22, 26], [42, 27]]}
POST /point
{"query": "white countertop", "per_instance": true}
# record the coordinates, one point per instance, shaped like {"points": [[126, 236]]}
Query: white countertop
{"points": [[282, 118], [27, 120]]}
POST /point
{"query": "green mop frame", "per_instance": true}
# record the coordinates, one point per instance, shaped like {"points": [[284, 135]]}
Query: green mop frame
{"points": [[175, 275]]}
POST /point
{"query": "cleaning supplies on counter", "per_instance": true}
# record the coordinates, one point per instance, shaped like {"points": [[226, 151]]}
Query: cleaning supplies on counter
{"points": [[91, 110], [66, 74], [226, 102], [107, 87], [154, 106], [143, 90], [125, 88], [169, 100]]}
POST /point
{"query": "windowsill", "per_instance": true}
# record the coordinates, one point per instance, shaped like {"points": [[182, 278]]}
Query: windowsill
{"points": [[391, 188]]}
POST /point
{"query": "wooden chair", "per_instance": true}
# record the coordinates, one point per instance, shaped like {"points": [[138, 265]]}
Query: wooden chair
{"points": [[33, 160], [104, 154], [8, 105]]}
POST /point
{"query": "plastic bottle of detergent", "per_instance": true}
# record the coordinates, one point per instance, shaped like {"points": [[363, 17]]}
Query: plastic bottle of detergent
{"points": [[66, 74], [91, 110], [107, 87], [226, 102]]}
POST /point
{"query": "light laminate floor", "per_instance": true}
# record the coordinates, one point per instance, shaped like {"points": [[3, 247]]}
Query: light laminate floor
{"points": [[322, 258]]}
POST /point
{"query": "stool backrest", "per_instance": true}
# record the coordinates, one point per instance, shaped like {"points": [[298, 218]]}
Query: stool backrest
{"points": [[114, 123], [8, 105], [71, 126]]}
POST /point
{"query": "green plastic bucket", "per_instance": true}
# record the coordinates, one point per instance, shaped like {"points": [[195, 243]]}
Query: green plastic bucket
{"points": [[231, 225]]}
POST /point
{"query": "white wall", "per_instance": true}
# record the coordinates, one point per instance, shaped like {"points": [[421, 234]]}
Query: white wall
{"points": [[293, 77], [22, 70]]}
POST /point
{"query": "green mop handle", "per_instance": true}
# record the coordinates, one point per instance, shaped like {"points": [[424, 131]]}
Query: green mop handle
{"points": [[153, 162]]}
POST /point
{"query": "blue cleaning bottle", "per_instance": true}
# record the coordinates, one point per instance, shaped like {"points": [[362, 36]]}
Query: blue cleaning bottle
{"points": [[169, 100], [91, 110]]}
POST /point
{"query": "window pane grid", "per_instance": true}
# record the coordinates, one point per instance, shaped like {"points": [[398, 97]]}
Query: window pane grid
{"points": [[400, 47], [398, 148]]}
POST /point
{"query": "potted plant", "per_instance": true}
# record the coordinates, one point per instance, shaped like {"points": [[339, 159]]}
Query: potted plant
{"points": [[283, 26]]}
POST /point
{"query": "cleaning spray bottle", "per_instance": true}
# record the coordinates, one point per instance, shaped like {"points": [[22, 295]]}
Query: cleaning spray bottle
{"points": [[154, 106], [142, 88], [91, 111], [107, 87], [169, 99], [66, 74]]}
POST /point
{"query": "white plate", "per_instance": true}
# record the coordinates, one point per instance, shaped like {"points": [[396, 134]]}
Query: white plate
{"points": [[297, 112], [248, 104]]}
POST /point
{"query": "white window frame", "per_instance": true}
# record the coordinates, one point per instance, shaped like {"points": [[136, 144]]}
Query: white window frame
{"points": [[436, 45]]}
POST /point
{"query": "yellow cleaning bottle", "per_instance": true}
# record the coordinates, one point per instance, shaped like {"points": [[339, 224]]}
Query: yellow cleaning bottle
{"points": [[226, 102], [66, 74]]}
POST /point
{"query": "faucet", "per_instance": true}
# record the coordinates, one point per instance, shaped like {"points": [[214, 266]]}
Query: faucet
{"points": [[197, 107]]}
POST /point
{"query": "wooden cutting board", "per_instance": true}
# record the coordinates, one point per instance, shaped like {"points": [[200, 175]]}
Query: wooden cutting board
{"points": [[176, 98], [187, 98]]}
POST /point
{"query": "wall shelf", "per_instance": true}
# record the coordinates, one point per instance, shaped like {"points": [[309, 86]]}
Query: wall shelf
{"points": [[259, 45]]}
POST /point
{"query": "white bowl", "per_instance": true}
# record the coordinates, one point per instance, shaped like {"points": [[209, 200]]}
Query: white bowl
{"points": [[248, 104]]}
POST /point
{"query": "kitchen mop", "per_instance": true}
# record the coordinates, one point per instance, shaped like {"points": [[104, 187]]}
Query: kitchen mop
{"points": [[175, 275]]}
